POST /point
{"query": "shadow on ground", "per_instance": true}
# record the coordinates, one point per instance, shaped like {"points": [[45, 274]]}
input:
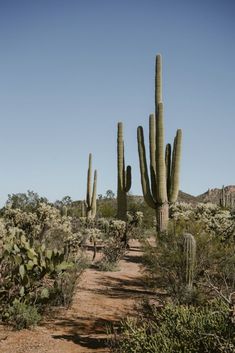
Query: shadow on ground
{"points": [[96, 332], [84, 341]]}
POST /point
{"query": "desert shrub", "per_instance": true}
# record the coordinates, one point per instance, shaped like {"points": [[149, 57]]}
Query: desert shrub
{"points": [[180, 329], [113, 252], [65, 283], [107, 208], [40, 256], [28, 271], [25, 201], [21, 315], [213, 272]]}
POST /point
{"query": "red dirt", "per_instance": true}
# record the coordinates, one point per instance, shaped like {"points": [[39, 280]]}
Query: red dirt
{"points": [[101, 299]]}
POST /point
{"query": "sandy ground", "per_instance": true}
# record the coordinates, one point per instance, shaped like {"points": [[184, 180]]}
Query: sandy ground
{"points": [[101, 299]]}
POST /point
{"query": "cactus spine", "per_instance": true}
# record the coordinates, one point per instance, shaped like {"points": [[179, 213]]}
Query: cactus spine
{"points": [[91, 192], [124, 176], [189, 249], [163, 187]]}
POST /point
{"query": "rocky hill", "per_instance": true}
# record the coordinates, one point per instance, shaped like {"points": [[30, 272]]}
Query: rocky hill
{"points": [[211, 195], [216, 195]]}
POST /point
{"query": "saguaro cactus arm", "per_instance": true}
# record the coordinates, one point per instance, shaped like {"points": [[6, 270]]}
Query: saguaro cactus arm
{"points": [[152, 154], [175, 170], [89, 171], [160, 157], [168, 168], [128, 178], [144, 169]]}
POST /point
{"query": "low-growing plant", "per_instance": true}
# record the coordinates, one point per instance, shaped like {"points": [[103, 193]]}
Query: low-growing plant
{"points": [[113, 252], [28, 271], [65, 284], [213, 269], [179, 329], [21, 315]]}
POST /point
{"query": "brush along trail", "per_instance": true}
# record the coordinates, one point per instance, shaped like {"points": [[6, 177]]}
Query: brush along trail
{"points": [[101, 300]]}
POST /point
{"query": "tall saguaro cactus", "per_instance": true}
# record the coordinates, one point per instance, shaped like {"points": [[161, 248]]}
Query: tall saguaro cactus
{"points": [[124, 176], [163, 186], [91, 192]]}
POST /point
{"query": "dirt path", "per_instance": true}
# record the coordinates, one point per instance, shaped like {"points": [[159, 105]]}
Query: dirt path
{"points": [[101, 298]]}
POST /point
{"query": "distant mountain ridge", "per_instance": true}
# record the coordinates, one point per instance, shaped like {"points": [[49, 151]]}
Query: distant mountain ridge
{"points": [[214, 195], [211, 195]]}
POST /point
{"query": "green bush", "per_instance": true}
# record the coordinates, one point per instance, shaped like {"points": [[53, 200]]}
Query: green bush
{"points": [[113, 252], [179, 329], [28, 272], [65, 284], [21, 315], [214, 270]]}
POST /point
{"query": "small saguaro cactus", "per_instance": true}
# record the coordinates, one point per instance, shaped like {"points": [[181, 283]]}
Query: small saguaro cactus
{"points": [[91, 195], [163, 186], [64, 211], [124, 176], [189, 250], [222, 197], [83, 208]]}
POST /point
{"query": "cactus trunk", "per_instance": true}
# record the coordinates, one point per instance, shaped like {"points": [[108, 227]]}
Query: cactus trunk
{"points": [[162, 217], [91, 195], [124, 176]]}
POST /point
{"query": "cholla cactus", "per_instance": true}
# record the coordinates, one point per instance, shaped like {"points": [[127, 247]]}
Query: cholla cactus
{"points": [[117, 229], [216, 221], [103, 224], [135, 218], [163, 186], [124, 177], [94, 234], [189, 251], [91, 196], [39, 224]]}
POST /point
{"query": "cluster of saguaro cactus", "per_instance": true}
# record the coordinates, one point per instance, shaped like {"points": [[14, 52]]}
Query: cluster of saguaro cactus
{"points": [[90, 202], [227, 200], [189, 252], [124, 176], [163, 186]]}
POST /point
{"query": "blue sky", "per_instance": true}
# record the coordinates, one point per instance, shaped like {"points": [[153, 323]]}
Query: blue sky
{"points": [[70, 70]]}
